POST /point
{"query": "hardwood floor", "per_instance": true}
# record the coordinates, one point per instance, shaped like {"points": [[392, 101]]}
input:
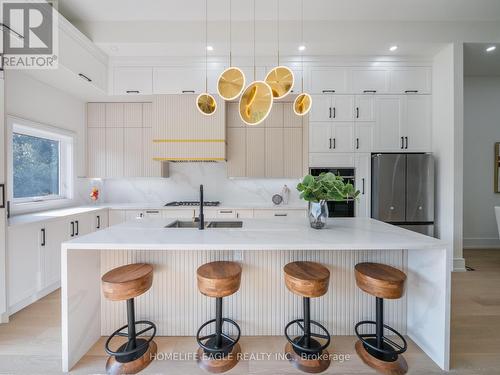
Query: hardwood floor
{"points": [[31, 343]]}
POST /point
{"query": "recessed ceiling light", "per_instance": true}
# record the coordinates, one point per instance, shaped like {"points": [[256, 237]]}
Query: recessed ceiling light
{"points": [[393, 48], [210, 48], [302, 48], [113, 48], [491, 48]]}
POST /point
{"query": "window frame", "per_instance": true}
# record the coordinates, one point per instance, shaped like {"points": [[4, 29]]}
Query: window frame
{"points": [[66, 141]]}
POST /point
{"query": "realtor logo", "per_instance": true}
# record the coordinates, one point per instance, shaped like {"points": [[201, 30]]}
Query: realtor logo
{"points": [[29, 35]]}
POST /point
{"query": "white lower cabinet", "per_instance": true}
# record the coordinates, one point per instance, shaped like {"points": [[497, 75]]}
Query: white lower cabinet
{"points": [[278, 213], [53, 234], [363, 184], [116, 217]]}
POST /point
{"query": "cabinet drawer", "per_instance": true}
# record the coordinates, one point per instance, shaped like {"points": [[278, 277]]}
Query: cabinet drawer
{"points": [[133, 81], [410, 80], [279, 213]]}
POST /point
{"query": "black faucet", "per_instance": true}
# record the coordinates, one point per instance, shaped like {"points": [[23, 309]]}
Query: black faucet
{"points": [[201, 221]]}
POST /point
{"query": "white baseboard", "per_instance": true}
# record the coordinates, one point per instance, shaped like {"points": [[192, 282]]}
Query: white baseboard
{"points": [[481, 243], [459, 265], [4, 318], [33, 298]]}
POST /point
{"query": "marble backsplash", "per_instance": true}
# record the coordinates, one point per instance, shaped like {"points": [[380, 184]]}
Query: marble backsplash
{"points": [[183, 184]]}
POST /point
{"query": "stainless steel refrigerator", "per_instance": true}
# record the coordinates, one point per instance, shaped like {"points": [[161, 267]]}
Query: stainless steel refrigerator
{"points": [[403, 190]]}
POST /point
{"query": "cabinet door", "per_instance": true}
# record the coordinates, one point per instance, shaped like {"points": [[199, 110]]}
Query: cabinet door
{"points": [[96, 115], [324, 80], [132, 155], [114, 152], [114, 115], [364, 136], [23, 262], [233, 116], [133, 81], [150, 167], [236, 152], [320, 137], [278, 214], [100, 220], [290, 119], [255, 152], [84, 224], [388, 112], [367, 80], [274, 152], [50, 252], [173, 80], [343, 108], [275, 118], [343, 137], [116, 217], [416, 80], [418, 123], [179, 213], [363, 183], [96, 152], [244, 214], [132, 115], [292, 153], [364, 110], [321, 109]]}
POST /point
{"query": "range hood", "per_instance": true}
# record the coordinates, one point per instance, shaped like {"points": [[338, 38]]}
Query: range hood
{"points": [[182, 134]]}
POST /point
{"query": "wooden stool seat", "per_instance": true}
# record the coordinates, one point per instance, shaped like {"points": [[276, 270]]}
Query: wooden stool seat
{"points": [[380, 280], [126, 282], [219, 279], [307, 279]]}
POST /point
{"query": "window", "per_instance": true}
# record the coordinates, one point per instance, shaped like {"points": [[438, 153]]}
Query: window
{"points": [[40, 163]]}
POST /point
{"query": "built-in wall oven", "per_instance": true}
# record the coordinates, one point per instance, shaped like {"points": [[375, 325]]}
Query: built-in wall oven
{"points": [[339, 209]]}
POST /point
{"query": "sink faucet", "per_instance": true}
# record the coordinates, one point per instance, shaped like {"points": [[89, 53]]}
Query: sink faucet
{"points": [[201, 222]]}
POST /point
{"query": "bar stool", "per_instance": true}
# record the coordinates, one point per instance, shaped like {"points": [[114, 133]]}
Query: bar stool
{"points": [[375, 349], [309, 280], [218, 352], [126, 283]]}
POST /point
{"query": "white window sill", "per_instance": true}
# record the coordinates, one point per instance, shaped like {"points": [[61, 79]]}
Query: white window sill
{"points": [[30, 207]]}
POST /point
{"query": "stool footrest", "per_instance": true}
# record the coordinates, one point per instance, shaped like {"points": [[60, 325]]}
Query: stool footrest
{"points": [[227, 342], [297, 341], [368, 338], [144, 342]]}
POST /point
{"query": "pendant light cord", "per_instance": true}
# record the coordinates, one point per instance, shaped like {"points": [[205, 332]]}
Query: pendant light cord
{"points": [[302, 40], [254, 40], [278, 27], [230, 36], [206, 46]]}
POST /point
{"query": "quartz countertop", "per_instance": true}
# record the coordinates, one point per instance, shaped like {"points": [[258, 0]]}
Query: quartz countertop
{"points": [[257, 234]]}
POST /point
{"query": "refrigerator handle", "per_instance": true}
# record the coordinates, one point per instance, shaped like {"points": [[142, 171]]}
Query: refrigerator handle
{"points": [[402, 143], [363, 188]]}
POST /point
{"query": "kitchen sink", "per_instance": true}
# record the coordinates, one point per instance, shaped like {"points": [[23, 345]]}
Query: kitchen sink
{"points": [[208, 224], [225, 224]]}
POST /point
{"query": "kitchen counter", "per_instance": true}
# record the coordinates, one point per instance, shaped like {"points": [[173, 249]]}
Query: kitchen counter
{"points": [[263, 305]]}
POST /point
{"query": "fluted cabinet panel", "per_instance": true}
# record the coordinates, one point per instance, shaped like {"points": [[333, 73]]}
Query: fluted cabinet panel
{"points": [[274, 152], [114, 115], [263, 305], [132, 115], [151, 168], [256, 152], [292, 152], [96, 152], [236, 150], [114, 152], [96, 115], [132, 152]]}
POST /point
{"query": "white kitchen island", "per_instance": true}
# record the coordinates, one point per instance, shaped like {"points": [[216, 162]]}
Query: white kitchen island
{"points": [[263, 305]]}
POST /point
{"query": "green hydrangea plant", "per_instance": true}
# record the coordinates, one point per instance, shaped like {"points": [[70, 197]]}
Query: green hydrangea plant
{"points": [[326, 187]]}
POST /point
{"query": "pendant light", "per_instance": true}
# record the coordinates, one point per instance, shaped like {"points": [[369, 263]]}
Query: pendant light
{"points": [[205, 102], [231, 81], [303, 102], [257, 99], [280, 78]]}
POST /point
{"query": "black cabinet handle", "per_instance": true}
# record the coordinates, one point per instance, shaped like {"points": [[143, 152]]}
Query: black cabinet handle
{"points": [[132, 91], [226, 211], [357, 112], [328, 91], [406, 140], [402, 143], [370, 91], [152, 211], [2, 186], [76, 234], [188, 91], [330, 112], [357, 143], [411, 91], [43, 237], [72, 229], [363, 188], [98, 222], [330, 147], [334, 143], [334, 112], [280, 215], [84, 77]]}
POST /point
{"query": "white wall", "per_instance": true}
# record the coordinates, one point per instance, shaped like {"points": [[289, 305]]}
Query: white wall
{"points": [[184, 182], [3, 222], [447, 146], [481, 131]]}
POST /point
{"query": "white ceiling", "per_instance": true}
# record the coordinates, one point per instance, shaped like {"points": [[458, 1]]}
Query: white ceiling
{"points": [[346, 10], [478, 62]]}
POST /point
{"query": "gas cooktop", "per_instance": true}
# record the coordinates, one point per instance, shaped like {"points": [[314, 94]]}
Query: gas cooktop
{"points": [[193, 203]]}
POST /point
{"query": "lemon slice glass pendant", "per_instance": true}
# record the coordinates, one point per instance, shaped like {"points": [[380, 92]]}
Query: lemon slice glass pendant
{"points": [[302, 104], [231, 83], [206, 104], [281, 80], [256, 103]]}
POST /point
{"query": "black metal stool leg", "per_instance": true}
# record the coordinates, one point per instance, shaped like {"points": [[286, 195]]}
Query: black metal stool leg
{"points": [[307, 322], [132, 344], [379, 319], [218, 322]]}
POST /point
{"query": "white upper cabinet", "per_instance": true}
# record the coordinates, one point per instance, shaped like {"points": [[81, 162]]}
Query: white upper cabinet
{"points": [[338, 137], [184, 80], [328, 80], [389, 120], [369, 81], [415, 80], [333, 108], [133, 81], [365, 110], [418, 123], [321, 109]]}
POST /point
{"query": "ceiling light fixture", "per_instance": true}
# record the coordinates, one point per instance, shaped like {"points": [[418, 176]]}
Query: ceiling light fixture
{"points": [[281, 78], [210, 48], [231, 81], [302, 103], [205, 102], [302, 48], [393, 48], [491, 48], [257, 99]]}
